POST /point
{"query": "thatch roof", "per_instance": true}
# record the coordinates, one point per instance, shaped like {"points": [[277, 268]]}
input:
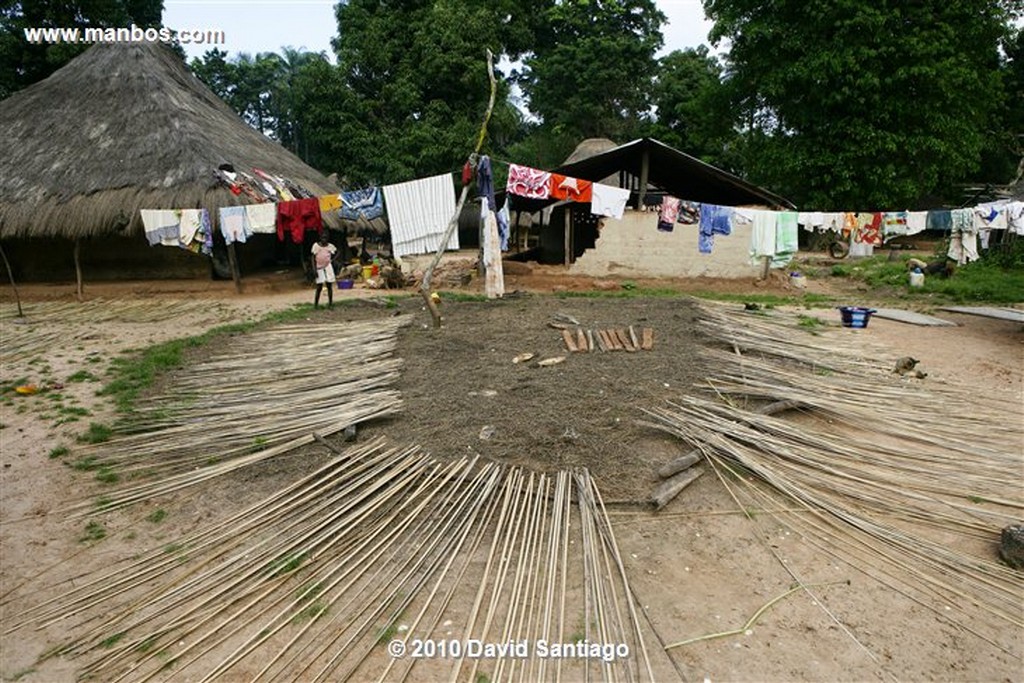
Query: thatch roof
{"points": [[121, 128], [588, 148]]}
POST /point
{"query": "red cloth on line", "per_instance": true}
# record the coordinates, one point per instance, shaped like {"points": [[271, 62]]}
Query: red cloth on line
{"points": [[298, 216], [566, 187]]}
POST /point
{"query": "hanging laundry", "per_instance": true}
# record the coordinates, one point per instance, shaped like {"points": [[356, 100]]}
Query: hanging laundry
{"points": [[832, 221], [762, 234], [162, 226], [850, 225], [572, 189], [607, 200], [279, 186], [485, 181], [233, 224], [503, 223], [714, 220], [528, 182], [963, 240], [811, 220], [990, 216], [917, 221], [894, 223], [689, 212], [296, 217], [329, 203], [668, 213], [261, 218], [786, 238], [1015, 217], [868, 229], [367, 204], [419, 212], [196, 231], [940, 220]]}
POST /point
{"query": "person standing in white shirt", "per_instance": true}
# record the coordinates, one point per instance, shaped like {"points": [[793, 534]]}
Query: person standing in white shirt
{"points": [[323, 257]]}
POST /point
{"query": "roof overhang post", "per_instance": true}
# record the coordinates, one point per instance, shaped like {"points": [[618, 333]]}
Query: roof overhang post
{"points": [[645, 166]]}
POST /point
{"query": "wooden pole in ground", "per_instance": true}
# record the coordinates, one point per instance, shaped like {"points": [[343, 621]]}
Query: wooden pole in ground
{"points": [[568, 236], [233, 261], [10, 275], [78, 267], [454, 222]]}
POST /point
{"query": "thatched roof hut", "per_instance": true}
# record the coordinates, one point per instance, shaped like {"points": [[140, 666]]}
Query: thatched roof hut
{"points": [[120, 128]]}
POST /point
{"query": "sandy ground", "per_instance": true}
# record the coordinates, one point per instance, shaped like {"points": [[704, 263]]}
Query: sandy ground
{"points": [[698, 567]]}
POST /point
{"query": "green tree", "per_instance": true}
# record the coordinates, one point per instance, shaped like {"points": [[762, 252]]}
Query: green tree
{"points": [[848, 104], [23, 63], [688, 97], [592, 65], [417, 78]]}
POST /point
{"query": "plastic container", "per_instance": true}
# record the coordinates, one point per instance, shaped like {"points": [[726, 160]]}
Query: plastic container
{"points": [[345, 284], [916, 278], [367, 272], [798, 280], [855, 316]]}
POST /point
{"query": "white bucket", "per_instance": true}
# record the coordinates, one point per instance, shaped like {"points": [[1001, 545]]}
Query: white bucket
{"points": [[798, 281], [917, 279]]}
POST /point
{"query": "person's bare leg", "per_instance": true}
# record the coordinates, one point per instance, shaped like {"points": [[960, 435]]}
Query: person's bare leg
{"points": [[316, 299]]}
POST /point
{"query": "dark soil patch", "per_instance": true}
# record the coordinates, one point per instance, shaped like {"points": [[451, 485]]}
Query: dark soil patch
{"points": [[460, 381]]}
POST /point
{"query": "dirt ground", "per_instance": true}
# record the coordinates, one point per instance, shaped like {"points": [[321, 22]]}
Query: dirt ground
{"points": [[697, 567]]}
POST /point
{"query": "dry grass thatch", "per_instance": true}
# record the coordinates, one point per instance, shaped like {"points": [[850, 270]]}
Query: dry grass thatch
{"points": [[122, 128]]}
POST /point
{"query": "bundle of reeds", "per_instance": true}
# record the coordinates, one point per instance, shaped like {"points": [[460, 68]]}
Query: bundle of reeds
{"points": [[910, 484], [265, 394], [378, 545]]}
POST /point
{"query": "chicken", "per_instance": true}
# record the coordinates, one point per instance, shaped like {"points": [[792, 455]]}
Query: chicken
{"points": [[905, 365]]}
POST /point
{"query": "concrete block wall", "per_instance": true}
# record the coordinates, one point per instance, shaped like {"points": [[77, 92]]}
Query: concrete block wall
{"points": [[634, 247]]}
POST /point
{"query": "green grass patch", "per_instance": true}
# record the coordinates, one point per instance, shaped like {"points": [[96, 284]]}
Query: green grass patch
{"points": [[625, 293], [94, 531], [58, 452], [107, 475], [156, 516], [85, 464], [76, 411], [104, 503], [287, 564], [82, 376], [462, 296], [135, 372], [258, 444], [97, 433], [980, 282], [810, 322], [112, 640], [311, 611]]}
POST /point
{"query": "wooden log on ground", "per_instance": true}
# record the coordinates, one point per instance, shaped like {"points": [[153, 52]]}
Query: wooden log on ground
{"points": [[670, 488], [686, 461], [632, 338], [647, 339], [601, 343], [624, 338], [581, 340], [590, 341], [569, 343]]}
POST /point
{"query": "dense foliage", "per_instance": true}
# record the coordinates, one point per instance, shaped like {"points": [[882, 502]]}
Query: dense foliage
{"points": [[846, 104], [838, 104], [23, 63]]}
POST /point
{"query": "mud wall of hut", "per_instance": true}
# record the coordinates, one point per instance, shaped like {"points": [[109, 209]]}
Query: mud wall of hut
{"points": [[634, 247]]}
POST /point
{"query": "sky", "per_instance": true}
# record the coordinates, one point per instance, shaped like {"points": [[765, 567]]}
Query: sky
{"points": [[268, 25]]}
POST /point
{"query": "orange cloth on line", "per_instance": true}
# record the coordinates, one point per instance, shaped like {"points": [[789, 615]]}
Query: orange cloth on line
{"points": [[330, 202], [566, 187]]}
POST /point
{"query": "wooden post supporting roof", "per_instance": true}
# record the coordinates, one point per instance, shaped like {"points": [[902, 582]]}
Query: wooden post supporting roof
{"points": [[645, 167]]}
